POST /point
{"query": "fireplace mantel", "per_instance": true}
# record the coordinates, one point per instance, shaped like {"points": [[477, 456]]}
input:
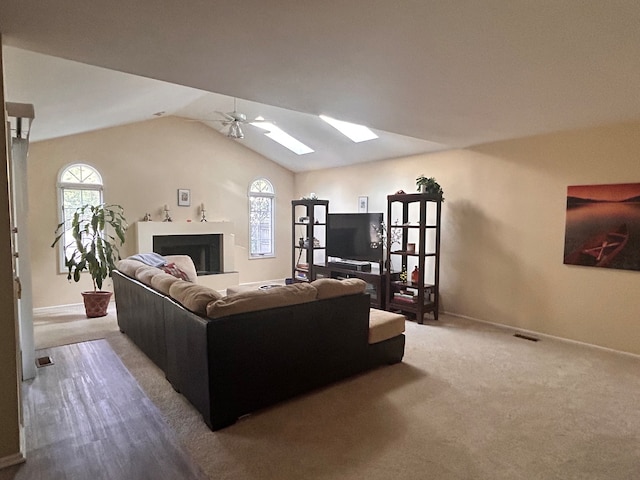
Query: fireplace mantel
{"points": [[145, 231]]}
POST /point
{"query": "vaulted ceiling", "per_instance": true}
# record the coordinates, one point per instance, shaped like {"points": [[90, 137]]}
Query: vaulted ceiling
{"points": [[427, 75]]}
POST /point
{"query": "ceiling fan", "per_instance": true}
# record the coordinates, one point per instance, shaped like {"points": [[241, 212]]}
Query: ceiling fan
{"points": [[233, 121]]}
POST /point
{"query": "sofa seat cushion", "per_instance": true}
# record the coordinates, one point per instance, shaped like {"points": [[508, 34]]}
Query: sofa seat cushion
{"points": [[184, 263], [192, 296], [146, 273], [163, 281], [129, 266], [253, 300], [384, 325], [332, 287]]}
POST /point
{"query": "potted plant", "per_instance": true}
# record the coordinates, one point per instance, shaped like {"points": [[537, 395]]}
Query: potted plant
{"points": [[430, 186], [93, 248]]}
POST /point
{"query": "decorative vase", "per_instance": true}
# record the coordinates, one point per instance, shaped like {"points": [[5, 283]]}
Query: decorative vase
{"points": [[415, 276], [96, 303]]}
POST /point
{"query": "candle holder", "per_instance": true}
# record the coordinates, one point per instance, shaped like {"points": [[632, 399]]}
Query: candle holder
{"points": [[167, 218], [203, 217]]}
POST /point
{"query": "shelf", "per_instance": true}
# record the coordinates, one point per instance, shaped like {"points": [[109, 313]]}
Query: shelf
{"points": [[404, 285], [412, 307], [413, 226], [420, 219], [412, 254], [313, 229]]}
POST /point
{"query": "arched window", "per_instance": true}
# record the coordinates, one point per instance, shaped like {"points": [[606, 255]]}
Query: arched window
{"points": [[261, 219], [78, 184]]}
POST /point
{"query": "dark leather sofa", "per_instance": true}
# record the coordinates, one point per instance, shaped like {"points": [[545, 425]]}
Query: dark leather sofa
{"points": [[230, 366]]}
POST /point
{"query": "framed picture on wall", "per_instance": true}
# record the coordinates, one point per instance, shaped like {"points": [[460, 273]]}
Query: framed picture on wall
{"points": [[363, 204], [603, 226], [184, 197]]}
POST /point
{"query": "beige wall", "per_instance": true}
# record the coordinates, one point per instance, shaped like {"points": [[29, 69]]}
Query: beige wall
{"points": [[9, 376], [503, 229], [142, 166]]}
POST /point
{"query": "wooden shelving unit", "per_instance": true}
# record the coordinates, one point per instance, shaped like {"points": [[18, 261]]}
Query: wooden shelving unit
{"points": [[309, 237], [419, 224]]}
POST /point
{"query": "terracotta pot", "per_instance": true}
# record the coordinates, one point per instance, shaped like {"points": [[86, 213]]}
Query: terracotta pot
{"points": [[96, 303]]}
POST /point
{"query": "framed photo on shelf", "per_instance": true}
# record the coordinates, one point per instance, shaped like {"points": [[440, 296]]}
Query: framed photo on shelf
{"points": [[184, 197], [363, 204]]}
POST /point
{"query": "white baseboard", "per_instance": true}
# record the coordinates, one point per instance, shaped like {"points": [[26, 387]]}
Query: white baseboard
{"points": [[544, 335], [69, 305], [10, 460]]}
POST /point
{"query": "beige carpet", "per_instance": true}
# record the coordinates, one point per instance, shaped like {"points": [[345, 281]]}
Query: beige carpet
{"points": [[469, 401], [57, 326]]}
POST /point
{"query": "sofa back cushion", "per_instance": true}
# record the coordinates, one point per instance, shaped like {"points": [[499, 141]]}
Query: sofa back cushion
{"points": [[332, 287], [192, 296], [129, 266], [146, 273], [184, 263], [254, 300], [163, 281]]}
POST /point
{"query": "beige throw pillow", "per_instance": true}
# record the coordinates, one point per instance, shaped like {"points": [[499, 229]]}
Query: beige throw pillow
{"points": [[255, 300], [184, 263], [192, 296], [332, 287]]}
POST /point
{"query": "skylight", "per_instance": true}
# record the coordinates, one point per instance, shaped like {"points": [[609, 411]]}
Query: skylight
{"points": [[357, 133], [283, 138]]}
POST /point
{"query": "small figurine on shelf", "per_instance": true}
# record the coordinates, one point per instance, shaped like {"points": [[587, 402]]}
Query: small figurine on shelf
{"points": [[147, 217], [415, 275]]}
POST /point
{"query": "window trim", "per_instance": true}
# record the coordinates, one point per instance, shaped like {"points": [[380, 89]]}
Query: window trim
{"points": [[272, 196], [60, 188]]}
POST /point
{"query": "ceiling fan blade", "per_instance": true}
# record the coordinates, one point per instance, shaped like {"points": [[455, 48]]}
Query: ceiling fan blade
{"points": [[227, 117]]}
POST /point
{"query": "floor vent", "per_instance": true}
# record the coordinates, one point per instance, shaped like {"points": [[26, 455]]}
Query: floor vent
{"points": [[44, 361], [526, 337]]}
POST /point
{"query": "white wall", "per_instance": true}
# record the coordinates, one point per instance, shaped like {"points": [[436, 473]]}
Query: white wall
{"points": [[10, 418], [142, 166], [503, 229]]}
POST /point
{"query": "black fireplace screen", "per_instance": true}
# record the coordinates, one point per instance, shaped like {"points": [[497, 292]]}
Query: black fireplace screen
{"points": [[204, 250]]}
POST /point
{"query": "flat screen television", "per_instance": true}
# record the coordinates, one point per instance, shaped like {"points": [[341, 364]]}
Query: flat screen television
{"points": [[355, 236]]}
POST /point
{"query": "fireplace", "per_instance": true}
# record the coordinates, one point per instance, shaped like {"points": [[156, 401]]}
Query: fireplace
{"points": [[204, 249], [215, 265]]}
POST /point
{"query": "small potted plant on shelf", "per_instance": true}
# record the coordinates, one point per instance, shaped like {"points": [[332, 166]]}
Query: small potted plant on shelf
{"points": [[429, 186], [93, 248]]}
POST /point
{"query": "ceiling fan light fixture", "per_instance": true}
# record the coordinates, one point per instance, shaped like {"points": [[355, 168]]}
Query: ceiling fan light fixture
{"points": [[235, 131]]}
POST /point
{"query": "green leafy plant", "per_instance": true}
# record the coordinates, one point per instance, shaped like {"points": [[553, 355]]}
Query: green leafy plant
{"points": [[430, 186], [95, 248]]}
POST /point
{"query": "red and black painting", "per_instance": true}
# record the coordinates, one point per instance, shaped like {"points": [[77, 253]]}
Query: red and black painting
{"points": [[603, 226]]}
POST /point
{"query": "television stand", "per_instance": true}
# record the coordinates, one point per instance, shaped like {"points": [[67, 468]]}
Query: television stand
{"points": [[351, 265], [376, 281]]}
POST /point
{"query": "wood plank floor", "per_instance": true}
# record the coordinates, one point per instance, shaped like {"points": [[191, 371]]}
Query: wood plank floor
{"points": [[87, 418]]}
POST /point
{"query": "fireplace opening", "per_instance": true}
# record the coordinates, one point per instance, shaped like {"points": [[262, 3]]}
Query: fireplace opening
{"points": [[204, 250]]}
